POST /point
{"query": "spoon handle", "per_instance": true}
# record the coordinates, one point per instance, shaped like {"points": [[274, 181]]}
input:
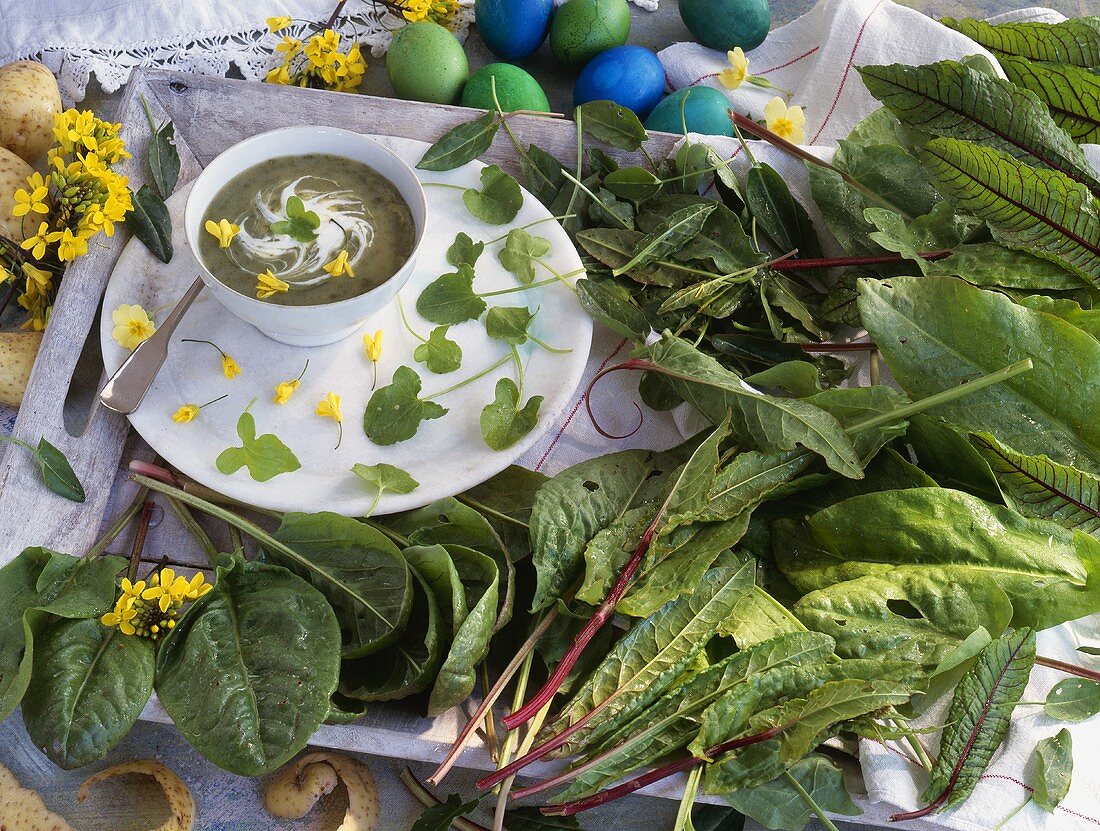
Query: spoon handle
{"points": [[123, 393]]}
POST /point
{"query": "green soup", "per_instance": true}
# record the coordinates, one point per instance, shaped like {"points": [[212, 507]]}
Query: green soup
{"points": [[345, 206]]}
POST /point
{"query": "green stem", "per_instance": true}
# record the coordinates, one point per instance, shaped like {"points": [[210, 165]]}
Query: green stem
{"points": [[471, 379], [214, 401], [514, 289], [519, 367], [374, 504], [545, 219], [558, 275], [577, 183], [118, 526], [1011, 816], [528, 742], [580, 164], [809, 800], [481, 507], [547, 346], [444, 185], [207, 342], [406, 324], [913, 742], [29, 447], [691, 789], [235, 539], [195, 530], [399, 539]]}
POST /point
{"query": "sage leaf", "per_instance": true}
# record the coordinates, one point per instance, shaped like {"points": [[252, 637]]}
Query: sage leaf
{"points": [[634, 183], [439, 353], [980, 712], [777, 212], [1075, 41], [161, 153], [670, 236], [358, 570], [464, 250], [504, 421], [1037, 487], [461, 144], [386, 477], [610, 304], [248, 672], [1071, 93], [610, 122], [395, 411], [442, 816], [1074, 699], [450, 298], [1053, 769], [265, 456], [150, 222], [521, 252], [57, 474], [777, 804], [1039, 211], [89, 685], [499, 199]]}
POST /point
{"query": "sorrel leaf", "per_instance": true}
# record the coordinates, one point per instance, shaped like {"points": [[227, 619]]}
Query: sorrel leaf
{"points": [[1037, 487], [613, 306], [450, 298], [1074, 699], [521, 252], [1053, 769], [776, 804], [395, 411], [248, 673], [464, 250], [612, 123], [57, 474], [668, 237], [439, 353], [499, 199], [506, 419], [777, 212], [1075, 41], [150, 222], [265, 456], [1071, 93], [460, 144], [435, 567]]}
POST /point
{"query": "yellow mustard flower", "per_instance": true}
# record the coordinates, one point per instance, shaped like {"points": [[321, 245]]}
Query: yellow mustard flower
{"points": [[372, 345], [286, 389], [36, 243], [122, 616], [278, 23], [290, 46], [230, 368], [339, 266], [735, 74], [170, 589], [786, 122], [268, 285], [223, 231], [189, 412], [329, 407], [415, 10], [70, 246], [322, 49], [39, 281], [278, 75], [31, 199], [132, 325]]}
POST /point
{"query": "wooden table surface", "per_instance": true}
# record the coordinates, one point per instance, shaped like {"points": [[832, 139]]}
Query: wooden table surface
{"points": [[233, 803]]}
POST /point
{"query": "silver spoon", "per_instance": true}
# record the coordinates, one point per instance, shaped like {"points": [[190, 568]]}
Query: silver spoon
{"points": [[127, 387]]}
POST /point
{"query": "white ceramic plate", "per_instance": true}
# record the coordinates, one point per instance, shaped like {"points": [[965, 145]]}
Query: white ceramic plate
{"points": [[447, 455]]}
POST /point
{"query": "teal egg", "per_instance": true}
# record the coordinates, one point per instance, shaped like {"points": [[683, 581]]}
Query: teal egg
{"points": [[516, 89], [704, 111], [582, 29], [725, 24], [426, 63]]}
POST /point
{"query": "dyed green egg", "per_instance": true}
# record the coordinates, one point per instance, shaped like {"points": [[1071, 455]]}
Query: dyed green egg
{"points": [[426, 63], [705, 110], [726, 24], [582, 29], [516, 89]]}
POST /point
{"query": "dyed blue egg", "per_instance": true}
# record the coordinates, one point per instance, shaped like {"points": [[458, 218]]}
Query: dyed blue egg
{"points": [[704, 111], [631, 76], [513, 29]]}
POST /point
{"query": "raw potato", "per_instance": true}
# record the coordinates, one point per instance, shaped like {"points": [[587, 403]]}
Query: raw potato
{"points": [[29, 99], [21, 809], [296, 789], [13, 174], [17, 352], [180, 801]]}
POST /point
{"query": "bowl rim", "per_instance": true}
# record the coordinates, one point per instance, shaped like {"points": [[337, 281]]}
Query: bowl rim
{"points": [[306, 130]]}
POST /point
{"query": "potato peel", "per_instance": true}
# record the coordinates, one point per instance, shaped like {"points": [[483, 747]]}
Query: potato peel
{"points": [[22, 809], [297, 788], [178, 795]]}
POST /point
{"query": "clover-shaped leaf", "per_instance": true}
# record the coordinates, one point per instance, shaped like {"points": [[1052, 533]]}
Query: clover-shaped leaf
{"points": [[384, 478], [439, 353], [450, 298], [265, 456], [299, 223], [394, 412], [520, 253], [499, 199], [464, 250], [504, 422], [509, 323]]}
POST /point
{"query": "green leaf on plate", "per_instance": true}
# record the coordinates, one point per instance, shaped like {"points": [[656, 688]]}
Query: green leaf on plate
{"points": [[509, 323], [265, 456], [150, 222], [464, 250], [395, 411], [439, 353], [248, 673], [612, 123], [1053, 769], [499, 199], [450, 298], [300, 224], [386, 477], [504, 421], [1074, 699], [521, 252], [461, 144]]}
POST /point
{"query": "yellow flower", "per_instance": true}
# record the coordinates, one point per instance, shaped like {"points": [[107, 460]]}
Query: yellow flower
{"points": [[278, 75], [170, 589], [277, 24], [186, 413], [223, 231], [268, 285], [373, 345], [33, 200], [230, 367], [37, 243], [291, 46], [786, 122], [71, 246], [286, 389], [39, 281], [122, 617], [322, 48], [416, 10], [132, 326], [340, 265], [732, 76], [329, 407]]}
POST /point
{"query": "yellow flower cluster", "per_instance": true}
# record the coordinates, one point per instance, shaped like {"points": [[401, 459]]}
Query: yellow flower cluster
{"points": [[150, 610], [317, 64], [61, 210], [437, 11]]}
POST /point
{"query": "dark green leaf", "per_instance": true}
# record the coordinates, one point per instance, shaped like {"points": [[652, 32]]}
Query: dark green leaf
{"points": [[612, 123], [248, 673], [89, 685], [1074, 41], [461, 144], [440, 817], [265, 456], [150, 222], [990, 264], [1053, 769], [948, 457], [499, 199], [1087, 320], [464, 250], [439, 353], [450, 298], [607, 210], [395, 411], [57, 474], [634, 183], [531, 819], [610, 304], [544, 174], [778, 805], [778, 214], [1074, 699], [504, 421], [521, 252], [670, 236], [1071, 93], [437, 569], [162, 155]]}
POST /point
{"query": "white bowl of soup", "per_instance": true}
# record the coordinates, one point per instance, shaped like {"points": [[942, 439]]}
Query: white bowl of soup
{"points": [[324, 226]]}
